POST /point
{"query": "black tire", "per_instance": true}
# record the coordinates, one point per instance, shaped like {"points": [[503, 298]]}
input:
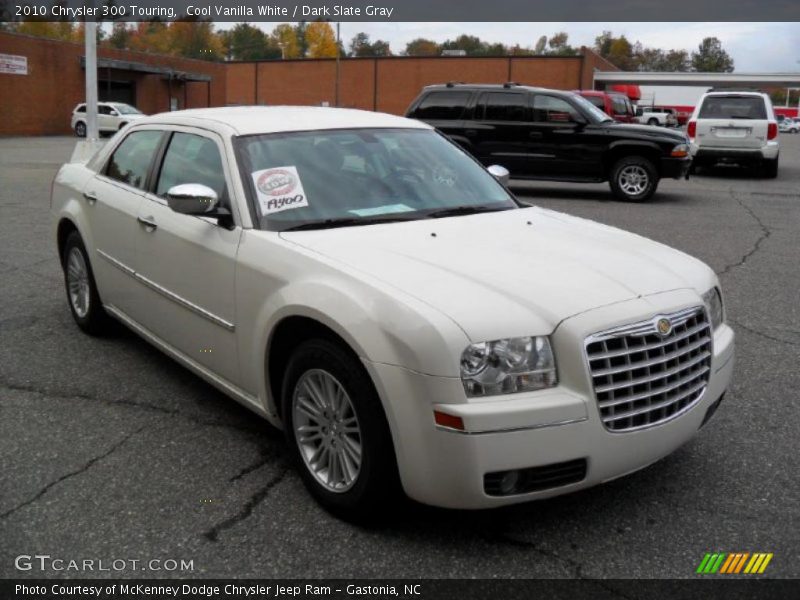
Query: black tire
{"points": [[95, 320], [643, 168], [377, 486], [80, 129], [652, 121], [770, 168]]}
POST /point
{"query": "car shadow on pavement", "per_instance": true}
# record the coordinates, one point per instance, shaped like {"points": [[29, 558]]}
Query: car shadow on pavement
{"points": [[527, 193]]}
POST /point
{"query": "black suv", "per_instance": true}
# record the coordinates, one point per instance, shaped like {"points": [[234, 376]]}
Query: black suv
{"points": [[538, 133]]}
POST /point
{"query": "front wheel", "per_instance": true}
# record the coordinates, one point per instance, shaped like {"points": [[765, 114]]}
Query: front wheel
{"points": [[337, 432], [82, 296], [652, 121], [633, 178], [80, 129]]}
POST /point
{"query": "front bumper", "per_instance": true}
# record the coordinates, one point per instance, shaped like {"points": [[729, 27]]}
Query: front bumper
{"points": [[446, 468], [676, 168]]}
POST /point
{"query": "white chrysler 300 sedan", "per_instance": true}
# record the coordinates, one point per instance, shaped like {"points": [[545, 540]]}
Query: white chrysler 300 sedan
{"points": [[361, 282]]}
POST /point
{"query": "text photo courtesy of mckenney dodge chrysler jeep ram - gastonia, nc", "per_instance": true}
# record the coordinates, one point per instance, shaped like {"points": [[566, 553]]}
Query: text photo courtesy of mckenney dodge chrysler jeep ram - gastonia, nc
{"points": [[373, 290]]}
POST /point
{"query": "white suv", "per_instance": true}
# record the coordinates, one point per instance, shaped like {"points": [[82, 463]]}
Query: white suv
{"points": [[735, 127], [111, 117]]}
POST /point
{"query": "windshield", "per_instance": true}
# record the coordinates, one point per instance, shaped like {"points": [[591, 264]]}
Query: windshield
{"points": [[360, 176], [126, 109], [733, 107], [595, 115]]}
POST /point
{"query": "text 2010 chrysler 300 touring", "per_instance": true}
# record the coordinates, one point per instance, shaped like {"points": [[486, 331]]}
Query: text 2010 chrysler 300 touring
{"points": [[373, 290]]}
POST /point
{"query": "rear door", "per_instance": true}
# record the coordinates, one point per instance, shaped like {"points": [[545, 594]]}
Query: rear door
{"points": [[732, 120], [501, 131], [112, 200], [186, 264]]}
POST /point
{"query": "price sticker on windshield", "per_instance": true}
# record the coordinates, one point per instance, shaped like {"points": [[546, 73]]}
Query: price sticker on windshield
{"points": [[279, 189]]}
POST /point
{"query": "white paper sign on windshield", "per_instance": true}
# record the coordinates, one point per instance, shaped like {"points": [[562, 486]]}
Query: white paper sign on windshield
{"points": [[279, 189]]}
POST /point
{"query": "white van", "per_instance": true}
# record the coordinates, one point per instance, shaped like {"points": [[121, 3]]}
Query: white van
{"points": [[735, 127]]}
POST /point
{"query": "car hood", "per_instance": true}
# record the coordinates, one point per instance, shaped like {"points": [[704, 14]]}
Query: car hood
{"points": [[649, 131], [514, 272]]}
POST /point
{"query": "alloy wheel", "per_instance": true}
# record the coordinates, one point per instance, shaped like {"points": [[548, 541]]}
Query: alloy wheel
{"points": [[633, 180], [326, 430], [78, 283]]}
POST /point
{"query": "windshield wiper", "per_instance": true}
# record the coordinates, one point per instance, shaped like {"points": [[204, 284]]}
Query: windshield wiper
{"points": [[455, 211], [345, 222]]}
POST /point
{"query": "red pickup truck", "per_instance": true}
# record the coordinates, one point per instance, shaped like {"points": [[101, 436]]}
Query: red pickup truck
{"points": [[615, 104]]}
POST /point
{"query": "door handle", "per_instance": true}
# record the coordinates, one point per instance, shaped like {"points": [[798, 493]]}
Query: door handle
{"points": [[535, 134], [470, 132], [90, 197], [148, 222]]}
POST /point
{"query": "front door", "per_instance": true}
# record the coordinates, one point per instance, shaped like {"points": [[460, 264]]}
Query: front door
{"points": [[186, 264]]}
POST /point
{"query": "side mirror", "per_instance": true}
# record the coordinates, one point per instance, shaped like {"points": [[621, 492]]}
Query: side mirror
{"points": [[192, 199], [500, 173]]}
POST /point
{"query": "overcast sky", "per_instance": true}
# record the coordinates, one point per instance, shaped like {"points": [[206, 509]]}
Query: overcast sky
{"points": [[753, 46]]}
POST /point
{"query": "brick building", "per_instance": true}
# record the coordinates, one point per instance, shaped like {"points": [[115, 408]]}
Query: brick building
{"points": [[40, 102]]}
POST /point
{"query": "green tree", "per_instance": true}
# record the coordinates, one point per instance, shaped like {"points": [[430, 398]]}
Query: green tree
{"points": [[246, 42], [559, 45], [422, 47], [361, 45], [470, 44], [120, 36], [711, 58]]}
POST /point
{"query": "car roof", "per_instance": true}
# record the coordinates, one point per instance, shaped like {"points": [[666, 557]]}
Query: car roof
{"points": [[250, 120], [494, 86]]}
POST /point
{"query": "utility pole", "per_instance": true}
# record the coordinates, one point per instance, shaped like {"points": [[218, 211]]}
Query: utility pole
{"points": [[90, 35], [336, 104]]}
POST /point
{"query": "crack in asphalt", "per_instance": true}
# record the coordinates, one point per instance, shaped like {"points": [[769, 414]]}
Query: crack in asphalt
{"points": [[9, 385], [212, 535], [86, 466], [765, 233], [762, 334], [575, 567], [268, 455]]}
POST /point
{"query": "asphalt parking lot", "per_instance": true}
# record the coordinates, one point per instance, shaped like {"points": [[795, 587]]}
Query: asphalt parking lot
{"points": [[109, 450]]}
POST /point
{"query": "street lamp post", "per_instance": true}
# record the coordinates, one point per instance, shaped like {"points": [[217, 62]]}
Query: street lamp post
{"points": [[90, 35], [336, 103]]}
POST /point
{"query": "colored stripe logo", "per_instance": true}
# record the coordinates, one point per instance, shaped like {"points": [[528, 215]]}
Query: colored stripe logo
{"points": [[734, 563]]}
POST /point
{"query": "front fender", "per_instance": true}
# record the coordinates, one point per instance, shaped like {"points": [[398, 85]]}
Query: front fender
{"points": [[379, 323]]}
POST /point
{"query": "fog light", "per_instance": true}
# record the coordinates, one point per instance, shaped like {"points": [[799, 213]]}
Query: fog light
{"points": [[508, 483]]}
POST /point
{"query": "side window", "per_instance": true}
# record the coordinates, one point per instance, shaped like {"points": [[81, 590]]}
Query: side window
{"points": [[131, 160], [191, 159], [619, 106], [81, 108], [504, 107], [442, 105], [549, 109], [103, 109]]}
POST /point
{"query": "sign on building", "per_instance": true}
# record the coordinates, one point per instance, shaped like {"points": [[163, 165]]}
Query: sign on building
{"points": [[13, 64]]}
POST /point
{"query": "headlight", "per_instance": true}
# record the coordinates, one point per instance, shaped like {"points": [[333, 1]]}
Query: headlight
{"points": [[713, 301], [680, 151], [506, 366]]}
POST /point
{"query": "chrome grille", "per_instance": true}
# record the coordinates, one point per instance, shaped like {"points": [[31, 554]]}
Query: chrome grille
{"points": [[642, 377]]}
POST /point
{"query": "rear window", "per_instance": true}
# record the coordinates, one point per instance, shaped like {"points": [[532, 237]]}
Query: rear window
{"points": [[598, 101], [442, 105], [733, 107]]}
